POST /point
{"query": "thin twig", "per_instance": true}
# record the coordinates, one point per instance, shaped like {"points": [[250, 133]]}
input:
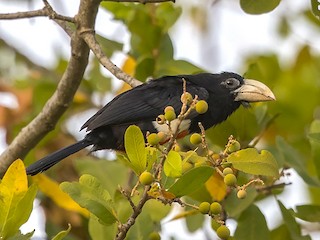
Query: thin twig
{"points": [[88, 36], [46, 11], [141, 1], [124, 228]]}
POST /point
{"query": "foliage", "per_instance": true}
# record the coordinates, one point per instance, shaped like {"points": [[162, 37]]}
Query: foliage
{"points": [[273, 137]]}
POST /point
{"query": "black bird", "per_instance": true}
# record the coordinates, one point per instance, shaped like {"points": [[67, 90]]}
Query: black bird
{"points": [[224, 93]]}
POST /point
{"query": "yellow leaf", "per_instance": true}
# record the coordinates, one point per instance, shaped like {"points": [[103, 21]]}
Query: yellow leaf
{"points": [[80, 97], [216, 187], [13, 188], [129, 65], [184, 214], [15, 178], [51, 189]]}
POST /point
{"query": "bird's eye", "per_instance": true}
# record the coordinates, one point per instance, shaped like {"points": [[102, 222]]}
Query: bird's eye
{"points": [[231, 83]]}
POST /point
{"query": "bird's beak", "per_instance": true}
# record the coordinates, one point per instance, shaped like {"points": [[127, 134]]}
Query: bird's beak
{"points": [[254, 91]]}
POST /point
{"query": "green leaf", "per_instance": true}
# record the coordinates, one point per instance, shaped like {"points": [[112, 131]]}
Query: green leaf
{"points": [[293, 159], [191, 181], [175, 67], [280, 233], [314, 139], [156, 210], [252, 225], [250, 161], [108, 46], [315, 7], [20, 236], [194, 221], [173, 165], [135, 148], [111, 174], [62, 234], [235, 207], [310, 213], [89, 193], [292, 225], [314, 136], [24, 208], [145, 68], [100, 231], [258, 6]]}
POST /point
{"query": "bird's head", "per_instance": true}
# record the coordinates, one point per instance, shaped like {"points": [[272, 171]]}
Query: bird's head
{"points": [[245, 91], [227, 91]]}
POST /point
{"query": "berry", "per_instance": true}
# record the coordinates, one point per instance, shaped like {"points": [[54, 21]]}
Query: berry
{"points": [[195, 139], [168, 108], [146, 178], [154, 236], [186, 97], [241, 194], [233, 146], [202, 107], [215, 208], [230, 180], [153, 139], [214, 224], [227, 171], [176, 148], [170, 115], [204, 207], [223, 232], [161, 119], [162, 136]]}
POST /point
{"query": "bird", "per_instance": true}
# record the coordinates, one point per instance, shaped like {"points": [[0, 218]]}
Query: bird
{"points": [[224, 93]]}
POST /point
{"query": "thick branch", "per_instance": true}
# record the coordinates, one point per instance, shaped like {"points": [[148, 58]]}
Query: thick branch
{"points": [[60, 100], [88, 36]]}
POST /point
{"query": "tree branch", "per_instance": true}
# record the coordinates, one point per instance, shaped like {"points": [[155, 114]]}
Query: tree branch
{"points": [[60, 100], [46, 11], [124, 228], [88, 36], [141, 1]]}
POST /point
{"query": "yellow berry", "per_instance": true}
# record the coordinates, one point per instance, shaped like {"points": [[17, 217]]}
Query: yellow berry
{"points": [[186, 97], [176, 148], [168, 108], [241, 194], [230, 180], [227, 171], [170, 115], [201, 107], [153, 139], [204, 207], [214, 224], [161, 119], [223, 232], [154, 236], [162, 136], [215, 208], [233, 146], [146, 178], [195, 139]]}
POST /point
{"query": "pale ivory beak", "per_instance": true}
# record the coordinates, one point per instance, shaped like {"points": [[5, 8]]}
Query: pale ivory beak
{"points": [[254, 91]]}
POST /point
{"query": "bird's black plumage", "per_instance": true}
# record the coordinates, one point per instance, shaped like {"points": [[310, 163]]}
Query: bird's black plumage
{"points": [[142, 105]]}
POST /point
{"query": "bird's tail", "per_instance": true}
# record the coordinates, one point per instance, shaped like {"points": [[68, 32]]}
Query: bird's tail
{"points": [[55, 157]]}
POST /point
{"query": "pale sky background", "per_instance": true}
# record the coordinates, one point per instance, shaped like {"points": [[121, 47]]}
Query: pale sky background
{"points": [[239, 34]]}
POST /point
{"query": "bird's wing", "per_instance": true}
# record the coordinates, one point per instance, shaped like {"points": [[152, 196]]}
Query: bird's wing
{"points": [[144, 103]]}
